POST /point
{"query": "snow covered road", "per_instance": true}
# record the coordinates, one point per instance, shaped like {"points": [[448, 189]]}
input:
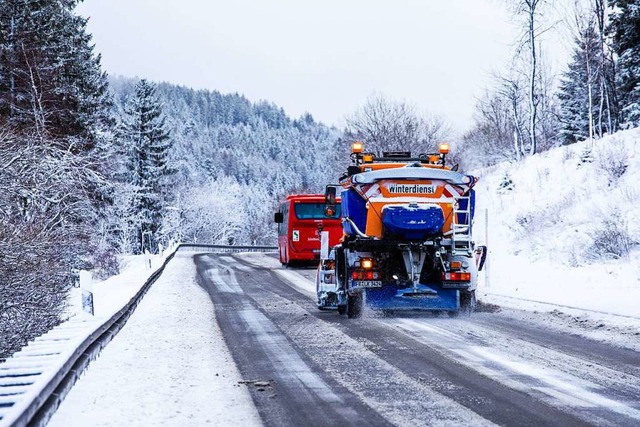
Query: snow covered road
{"points": [[236, 340]]}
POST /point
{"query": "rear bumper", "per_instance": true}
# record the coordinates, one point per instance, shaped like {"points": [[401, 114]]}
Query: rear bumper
{"points": [[313, 255]]}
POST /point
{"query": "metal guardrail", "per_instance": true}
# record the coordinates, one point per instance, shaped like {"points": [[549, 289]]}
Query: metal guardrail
{"points": [[226, 248], [31, 391]]}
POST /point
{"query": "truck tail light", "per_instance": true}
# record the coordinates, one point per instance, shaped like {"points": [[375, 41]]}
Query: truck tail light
{"points": [[366, 275], [372, 275], [455, 265], [366, 263], [459, 276]]}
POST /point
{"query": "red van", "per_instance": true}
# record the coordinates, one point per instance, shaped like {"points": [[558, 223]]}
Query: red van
{"points": [[300, 218]]}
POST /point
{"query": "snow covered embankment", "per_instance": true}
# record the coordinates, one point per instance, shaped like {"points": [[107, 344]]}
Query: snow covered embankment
{"points": [[31, 375], [564, 229]]}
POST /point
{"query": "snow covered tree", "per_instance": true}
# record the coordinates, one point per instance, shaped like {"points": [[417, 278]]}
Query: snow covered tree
{"points": [[386, 125], [586, 92], [213, 213], [147, 145], [624, 30], [53, 116], [50, 80], [548, 115], [510, 89], [518, 115], [224, 146], [609, 108], [500, 130], [497, 134], [52, 87], [578, 88], [530, 10]]}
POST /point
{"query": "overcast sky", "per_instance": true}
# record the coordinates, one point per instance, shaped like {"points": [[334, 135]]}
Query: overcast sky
{"points": [[321, 56]]}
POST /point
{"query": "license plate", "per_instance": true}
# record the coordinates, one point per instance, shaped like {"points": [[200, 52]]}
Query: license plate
{"points": [[367, 283]]}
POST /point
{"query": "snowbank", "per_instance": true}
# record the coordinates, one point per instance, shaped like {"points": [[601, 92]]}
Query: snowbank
{"points": [[168, 366], [112, 294], [564, 227]]}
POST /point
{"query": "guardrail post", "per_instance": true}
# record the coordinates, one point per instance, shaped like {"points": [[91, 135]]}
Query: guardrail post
{"points": [[86, 285]]}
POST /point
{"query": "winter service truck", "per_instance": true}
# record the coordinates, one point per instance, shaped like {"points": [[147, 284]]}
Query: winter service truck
{"points": [[407, 236]]}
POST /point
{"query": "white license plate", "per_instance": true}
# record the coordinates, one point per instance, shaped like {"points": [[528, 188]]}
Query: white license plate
{"points": [[368, 283]]}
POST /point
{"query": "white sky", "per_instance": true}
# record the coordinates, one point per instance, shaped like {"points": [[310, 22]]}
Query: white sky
{"points": [[325, 57]]}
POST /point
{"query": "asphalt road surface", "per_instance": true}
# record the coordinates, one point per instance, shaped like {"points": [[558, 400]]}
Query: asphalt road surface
{"points": [[309, 367]]}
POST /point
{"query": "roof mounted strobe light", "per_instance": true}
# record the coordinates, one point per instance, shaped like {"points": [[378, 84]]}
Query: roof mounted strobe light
{"points": [[357, 147], [444, 148]]}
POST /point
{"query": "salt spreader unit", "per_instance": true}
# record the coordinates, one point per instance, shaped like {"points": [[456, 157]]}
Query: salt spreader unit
{"points": [[407, 242]]}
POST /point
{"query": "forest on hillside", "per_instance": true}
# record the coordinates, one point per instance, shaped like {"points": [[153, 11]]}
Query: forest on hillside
{"points": [[232, 161], [93, 168]]}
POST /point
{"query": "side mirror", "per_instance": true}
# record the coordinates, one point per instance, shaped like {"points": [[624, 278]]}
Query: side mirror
{"points": [[330, 201], [278, 218], [481, 256], [330, 195]]}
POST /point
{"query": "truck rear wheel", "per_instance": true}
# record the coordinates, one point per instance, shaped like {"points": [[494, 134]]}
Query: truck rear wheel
{"points": [[467, 302], [354, 306]]}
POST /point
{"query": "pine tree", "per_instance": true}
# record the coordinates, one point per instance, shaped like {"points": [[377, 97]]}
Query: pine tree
{"points": [[147, 145], [579, 88], [50, 79], [624, 30]]}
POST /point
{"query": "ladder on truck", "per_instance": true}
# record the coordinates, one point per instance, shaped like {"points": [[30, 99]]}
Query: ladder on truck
{"points": [[461, 241]]}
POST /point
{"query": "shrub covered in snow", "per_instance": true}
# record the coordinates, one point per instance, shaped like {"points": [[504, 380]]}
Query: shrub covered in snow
{"points": [[613, 159], [611, 239], [48, 232], [573, 205]]}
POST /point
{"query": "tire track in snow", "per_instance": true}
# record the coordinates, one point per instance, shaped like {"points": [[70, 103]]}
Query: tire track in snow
{"points": [[293, 391], [520, 365], [381, 386], [551, 377], [549, 386]]}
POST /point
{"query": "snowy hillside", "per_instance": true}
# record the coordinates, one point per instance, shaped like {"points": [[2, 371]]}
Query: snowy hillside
{"points": [[564, 226]]}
